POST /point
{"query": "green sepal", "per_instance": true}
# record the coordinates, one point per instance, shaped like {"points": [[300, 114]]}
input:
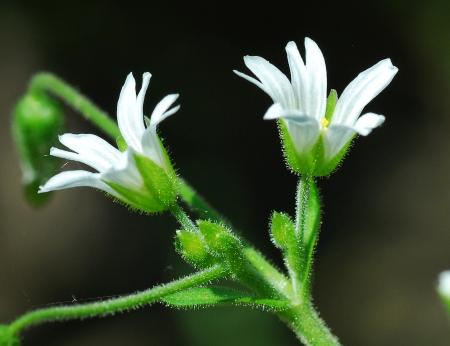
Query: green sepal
{"points": [[282, 230], [331, 104], [139, 200], [162, 185], [37, 120], [211, 296], [326, 167], [219, 239], [192, 247], [312, 163], [121, 143], [298, 164], [7, 338]]}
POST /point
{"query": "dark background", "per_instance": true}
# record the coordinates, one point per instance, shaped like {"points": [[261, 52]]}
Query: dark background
{"points": [[386, 233]]}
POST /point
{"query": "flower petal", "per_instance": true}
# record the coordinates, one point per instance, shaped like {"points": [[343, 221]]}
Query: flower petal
{"points": [[151, 146], [252, 80], [162, 110], [298, 73], [363, 89], [126, 173], [275, 82], [140, 98], [130, 120], [315, 96], [274, 112], [71, 179], [335, 138], [304, 131], [93, 150], [367, 122]]}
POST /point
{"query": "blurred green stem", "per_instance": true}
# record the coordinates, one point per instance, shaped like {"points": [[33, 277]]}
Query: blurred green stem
{"points": [[47, 82], [114, 305]]}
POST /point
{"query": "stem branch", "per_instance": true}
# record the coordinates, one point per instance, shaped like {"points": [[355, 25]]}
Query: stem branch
{"points": [[114, 305], [307, 325]]}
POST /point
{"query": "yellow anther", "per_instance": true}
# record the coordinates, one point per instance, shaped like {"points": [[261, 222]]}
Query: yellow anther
{"points": [[324, 122]]}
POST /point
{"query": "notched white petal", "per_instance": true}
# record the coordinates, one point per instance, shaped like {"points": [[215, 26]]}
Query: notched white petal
{"points": [[298, 73], [315, 97], [131, 125], [367, 122], [274, 112], [252, 80], [93, 150], [275, 82], [140, 99], [363, 89], [71, 179], [162, 110]]}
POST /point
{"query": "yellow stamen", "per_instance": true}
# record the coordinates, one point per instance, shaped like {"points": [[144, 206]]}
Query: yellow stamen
{"points": [[324, 122]]}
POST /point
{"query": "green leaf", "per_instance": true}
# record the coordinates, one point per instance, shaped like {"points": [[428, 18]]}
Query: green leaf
{"points": [[203, 296], [210, 296], [282, 230]]}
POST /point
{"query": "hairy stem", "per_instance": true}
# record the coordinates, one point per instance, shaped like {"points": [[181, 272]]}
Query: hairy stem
{"points": [[297, 254], [183, 219], [307, 325], [114, 305]]}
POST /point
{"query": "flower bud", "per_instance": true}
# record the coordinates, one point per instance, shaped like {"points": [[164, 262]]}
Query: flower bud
{"points": [[36, 122], [282, 230], [192, 247], [219, 239]]}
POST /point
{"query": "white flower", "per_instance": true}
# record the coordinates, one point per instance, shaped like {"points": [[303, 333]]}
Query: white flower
{"points": [[112, 165], [302, 101], [444, 284]]}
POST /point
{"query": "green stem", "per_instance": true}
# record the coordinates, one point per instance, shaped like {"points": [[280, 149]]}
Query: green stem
{"points": [[47, 82], [267, 272], [183, 219], [296, 254], [307, 325], [114, 305], [302, 200]]}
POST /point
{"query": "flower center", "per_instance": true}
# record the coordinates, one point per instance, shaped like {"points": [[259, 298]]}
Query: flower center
{"points": [[324, 122]]}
